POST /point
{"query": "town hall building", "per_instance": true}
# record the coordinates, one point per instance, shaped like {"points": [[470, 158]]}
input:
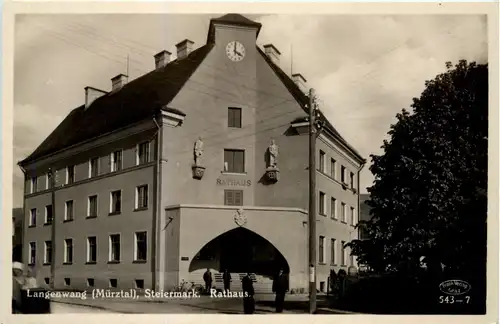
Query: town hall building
{"points": [[200, 163]]}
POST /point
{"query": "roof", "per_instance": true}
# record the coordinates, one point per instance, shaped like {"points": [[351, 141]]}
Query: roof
{"points": [[231, 19], [137, 100], [303, 100], [147, 95]]}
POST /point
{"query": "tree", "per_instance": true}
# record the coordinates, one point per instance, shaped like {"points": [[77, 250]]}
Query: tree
{"points": [[429, 195]]}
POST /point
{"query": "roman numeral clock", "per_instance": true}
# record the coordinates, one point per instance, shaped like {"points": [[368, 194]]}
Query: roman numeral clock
{"points": [[235, 51]]}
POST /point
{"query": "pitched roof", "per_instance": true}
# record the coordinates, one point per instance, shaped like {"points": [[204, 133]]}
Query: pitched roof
{"points": [[231, 19], [303, 100], [138, 100]]}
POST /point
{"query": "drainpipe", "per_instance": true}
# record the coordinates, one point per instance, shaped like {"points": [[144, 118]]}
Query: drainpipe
{"points": [[359, 194], [157, 278]]}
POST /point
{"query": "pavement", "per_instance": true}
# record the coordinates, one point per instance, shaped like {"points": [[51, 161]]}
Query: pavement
{"points": [[294, 304]]}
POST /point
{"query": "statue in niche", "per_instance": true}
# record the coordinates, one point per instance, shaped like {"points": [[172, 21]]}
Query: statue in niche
{"points": [[198, 151], [273, 155]]}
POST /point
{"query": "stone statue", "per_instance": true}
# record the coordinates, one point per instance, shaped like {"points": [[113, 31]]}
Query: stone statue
{"points": [[273, 154], [198, 151]]}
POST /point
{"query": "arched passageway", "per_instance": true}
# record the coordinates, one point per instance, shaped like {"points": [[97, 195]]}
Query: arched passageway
{"points": [[240, 250]]}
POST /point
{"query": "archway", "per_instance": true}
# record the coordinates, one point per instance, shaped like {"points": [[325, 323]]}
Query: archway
{"points": [[240, 250]]}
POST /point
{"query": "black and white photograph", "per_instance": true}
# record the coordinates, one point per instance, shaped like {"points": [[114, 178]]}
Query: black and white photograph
{"points": [[255, 162]]}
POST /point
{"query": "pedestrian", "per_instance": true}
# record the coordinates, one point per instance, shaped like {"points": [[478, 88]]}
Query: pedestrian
{"points": [[226, 277], [280, 287], [248, 291], [207, 277]]}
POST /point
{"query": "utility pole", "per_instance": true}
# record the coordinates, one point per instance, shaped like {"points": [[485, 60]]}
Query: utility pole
{"points": [[312, 204], [53, 228]]}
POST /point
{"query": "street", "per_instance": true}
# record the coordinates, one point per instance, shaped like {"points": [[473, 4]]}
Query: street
{"points": [[203, 305]]}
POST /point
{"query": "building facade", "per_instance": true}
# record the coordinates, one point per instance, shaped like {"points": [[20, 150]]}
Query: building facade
{"points": [[201, 163]]}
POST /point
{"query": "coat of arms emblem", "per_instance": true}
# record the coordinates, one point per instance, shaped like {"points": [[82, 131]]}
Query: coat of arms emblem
{"points": [[240, 219]]}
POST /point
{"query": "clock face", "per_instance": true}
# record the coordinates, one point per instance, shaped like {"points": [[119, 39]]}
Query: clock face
{"points": [[235, 51]]}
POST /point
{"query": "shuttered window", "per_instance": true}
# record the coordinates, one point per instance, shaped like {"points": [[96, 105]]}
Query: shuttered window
{"points": [[233, 197]]}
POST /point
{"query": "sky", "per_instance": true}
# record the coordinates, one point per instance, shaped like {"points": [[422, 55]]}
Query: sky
{"points": [[364, 68]]}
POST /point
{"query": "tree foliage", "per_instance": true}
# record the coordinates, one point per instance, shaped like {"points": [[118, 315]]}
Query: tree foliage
{"points": [[429, 194]]}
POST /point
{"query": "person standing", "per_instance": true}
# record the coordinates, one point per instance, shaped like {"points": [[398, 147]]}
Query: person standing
{"points": [[226, 277], [207, 277], [248, 291], [280, 287]]}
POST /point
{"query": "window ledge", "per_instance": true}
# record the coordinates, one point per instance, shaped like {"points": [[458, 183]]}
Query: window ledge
{"points": [[31, 226], [334, 218], [113, 262], [233, 173], [322, 263], [47, 224], [343, 222], [140, 261], [91, 216], [114, 213], [90, 262], [31, 264], [46, 263], [68, 220], [322, 214], [333, 264], [67, 263], [140, 209]]}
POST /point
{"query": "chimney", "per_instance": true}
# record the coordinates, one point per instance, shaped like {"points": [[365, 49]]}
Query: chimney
{"points": [[184, 48], [273, 53], [118, 82], [91, 94], [162, 59], [300, 81]]}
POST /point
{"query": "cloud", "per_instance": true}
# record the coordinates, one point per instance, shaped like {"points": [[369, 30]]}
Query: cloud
{"points": [[364, 68]]}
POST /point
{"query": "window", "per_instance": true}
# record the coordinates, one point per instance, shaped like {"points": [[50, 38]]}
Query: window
{"points": [[91, 249], [70, 174], [67, 281], [48, 214], [333, 255], [352, 180], [32, 221], [116, 202], [49, 180], [68, 251], [94, 167], [322, 162], [321, 258], [353, 216], [141, 246], [344, 252], [114, 248], [90, 282], [333, 168], [233, 197], [47, 257], [46, 280], [92, 206], [234, 117], [116, 161], [333, 208], [322, 203], [68, 213], [34, 184], [113, 283], [342, 174], [343, 213], [234, 161], [141, 197], [32, 254], [139, 283], [143, 153]]}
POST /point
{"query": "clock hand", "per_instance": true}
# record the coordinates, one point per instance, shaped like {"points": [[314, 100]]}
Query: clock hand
{"points": [[234, 47]]}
